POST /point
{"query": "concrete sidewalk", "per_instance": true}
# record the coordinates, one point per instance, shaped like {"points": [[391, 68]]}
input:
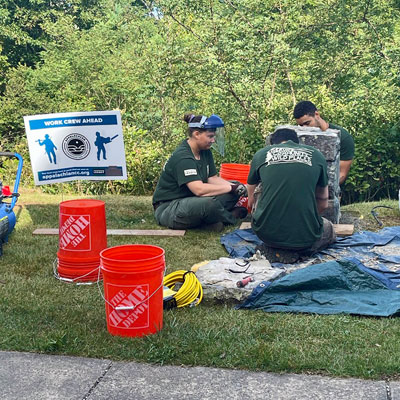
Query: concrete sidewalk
{"points": [[37, 376]]}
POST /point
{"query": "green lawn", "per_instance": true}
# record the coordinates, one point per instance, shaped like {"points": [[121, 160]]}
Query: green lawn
{"points": [[38, 313]]}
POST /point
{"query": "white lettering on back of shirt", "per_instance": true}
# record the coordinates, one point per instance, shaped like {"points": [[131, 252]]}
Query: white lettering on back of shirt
{"points": [[281, 155]]}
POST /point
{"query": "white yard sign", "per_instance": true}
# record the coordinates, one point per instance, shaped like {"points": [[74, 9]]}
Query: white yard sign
{"points": [[81, 145]]}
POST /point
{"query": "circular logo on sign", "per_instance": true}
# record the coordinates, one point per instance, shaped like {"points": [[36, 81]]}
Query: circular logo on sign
{"points": [[76, 146]]}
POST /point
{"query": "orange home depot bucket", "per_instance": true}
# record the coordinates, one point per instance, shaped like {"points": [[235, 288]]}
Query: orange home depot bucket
{"points": [[133, 281], [82, 235], [236, 172]]}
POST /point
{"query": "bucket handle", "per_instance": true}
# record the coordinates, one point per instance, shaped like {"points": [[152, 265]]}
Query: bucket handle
{"points": [[118, 308], [124, 308], [69, 280]]}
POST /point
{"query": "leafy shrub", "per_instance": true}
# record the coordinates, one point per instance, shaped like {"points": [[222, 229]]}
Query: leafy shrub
{"points": [[249, 62], [375, 171], [145, 158]]}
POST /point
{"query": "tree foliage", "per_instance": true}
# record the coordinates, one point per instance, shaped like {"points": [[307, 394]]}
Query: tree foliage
{"points": [[26, 26], [248, 61]]}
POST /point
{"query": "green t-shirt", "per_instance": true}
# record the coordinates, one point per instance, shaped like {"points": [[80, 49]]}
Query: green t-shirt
{"points": [[346, 143], [286, 214], [180, 169]]}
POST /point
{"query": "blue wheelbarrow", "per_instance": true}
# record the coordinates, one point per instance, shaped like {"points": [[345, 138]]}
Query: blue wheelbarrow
{"points": [[8, 200]]}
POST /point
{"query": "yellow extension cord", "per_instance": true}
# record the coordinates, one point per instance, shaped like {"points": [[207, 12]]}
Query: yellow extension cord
{"points": [[191, 291]]}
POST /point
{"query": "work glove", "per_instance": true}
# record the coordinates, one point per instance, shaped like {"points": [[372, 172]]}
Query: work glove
{"points": [[239, 189]]}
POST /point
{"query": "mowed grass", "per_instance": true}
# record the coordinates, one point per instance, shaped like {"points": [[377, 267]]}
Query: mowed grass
{"points": [[38, 313]]}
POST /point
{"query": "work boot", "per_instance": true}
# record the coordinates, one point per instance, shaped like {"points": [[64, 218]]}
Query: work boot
{"points": [[273, 254], [239, 212]]}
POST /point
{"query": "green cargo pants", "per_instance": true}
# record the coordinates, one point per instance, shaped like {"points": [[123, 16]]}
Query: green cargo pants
{"points": [[194, 212]]}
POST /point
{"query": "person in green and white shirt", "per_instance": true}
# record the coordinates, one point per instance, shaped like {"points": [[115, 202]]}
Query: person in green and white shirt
{"points": [[294, 194], [189, 193]]}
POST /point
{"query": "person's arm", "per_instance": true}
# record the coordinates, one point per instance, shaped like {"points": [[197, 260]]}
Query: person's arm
{"points": [[250, 191], [216, 186], [217, 180], [321, 195], [344, 170], [198, 188]]}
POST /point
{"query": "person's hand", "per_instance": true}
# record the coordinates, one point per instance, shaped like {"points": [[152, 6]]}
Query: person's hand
{"points": [[239, 189]]}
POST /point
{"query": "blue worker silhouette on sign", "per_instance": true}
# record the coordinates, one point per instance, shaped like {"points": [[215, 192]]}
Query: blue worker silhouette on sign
{"points": [[100, 142], [49, 146]]}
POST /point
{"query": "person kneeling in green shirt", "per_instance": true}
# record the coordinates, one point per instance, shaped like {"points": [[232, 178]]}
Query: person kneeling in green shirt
{"points": [[294, 192], [189, 193]]}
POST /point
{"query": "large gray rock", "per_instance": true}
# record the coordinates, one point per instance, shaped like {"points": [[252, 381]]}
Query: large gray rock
{"points": [[333, 178], [219, 277], [327, 142], [332, 213]]}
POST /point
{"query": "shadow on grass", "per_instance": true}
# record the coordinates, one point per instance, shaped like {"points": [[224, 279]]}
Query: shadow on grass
{"points": [[43, 215]]}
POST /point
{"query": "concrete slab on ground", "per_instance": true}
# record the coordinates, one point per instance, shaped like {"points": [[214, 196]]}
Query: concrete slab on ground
{"points": [[394, 390], [37, 376]]}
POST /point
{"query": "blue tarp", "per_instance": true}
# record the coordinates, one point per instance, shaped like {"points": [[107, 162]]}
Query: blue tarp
{"points": [[346, 285], [367, 244], [242, 243], [333, 287]]}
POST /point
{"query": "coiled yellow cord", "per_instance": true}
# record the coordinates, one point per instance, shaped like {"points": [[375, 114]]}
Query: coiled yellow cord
{"points": [[191, 291]]}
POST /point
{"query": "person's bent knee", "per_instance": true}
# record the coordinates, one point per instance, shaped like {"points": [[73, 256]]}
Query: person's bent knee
{"points": [[209, 205], [329, 231]]}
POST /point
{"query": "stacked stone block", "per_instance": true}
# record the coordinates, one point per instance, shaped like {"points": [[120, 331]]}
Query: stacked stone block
{"points": [[328, 143]]}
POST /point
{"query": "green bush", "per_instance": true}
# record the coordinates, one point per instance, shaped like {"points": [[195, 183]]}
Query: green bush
{"points": [[375, 171], [145, 158]]}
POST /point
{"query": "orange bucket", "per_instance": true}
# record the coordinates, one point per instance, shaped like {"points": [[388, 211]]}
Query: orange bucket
{"points": [[133, 282], [236, 172], [82, 235]]}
